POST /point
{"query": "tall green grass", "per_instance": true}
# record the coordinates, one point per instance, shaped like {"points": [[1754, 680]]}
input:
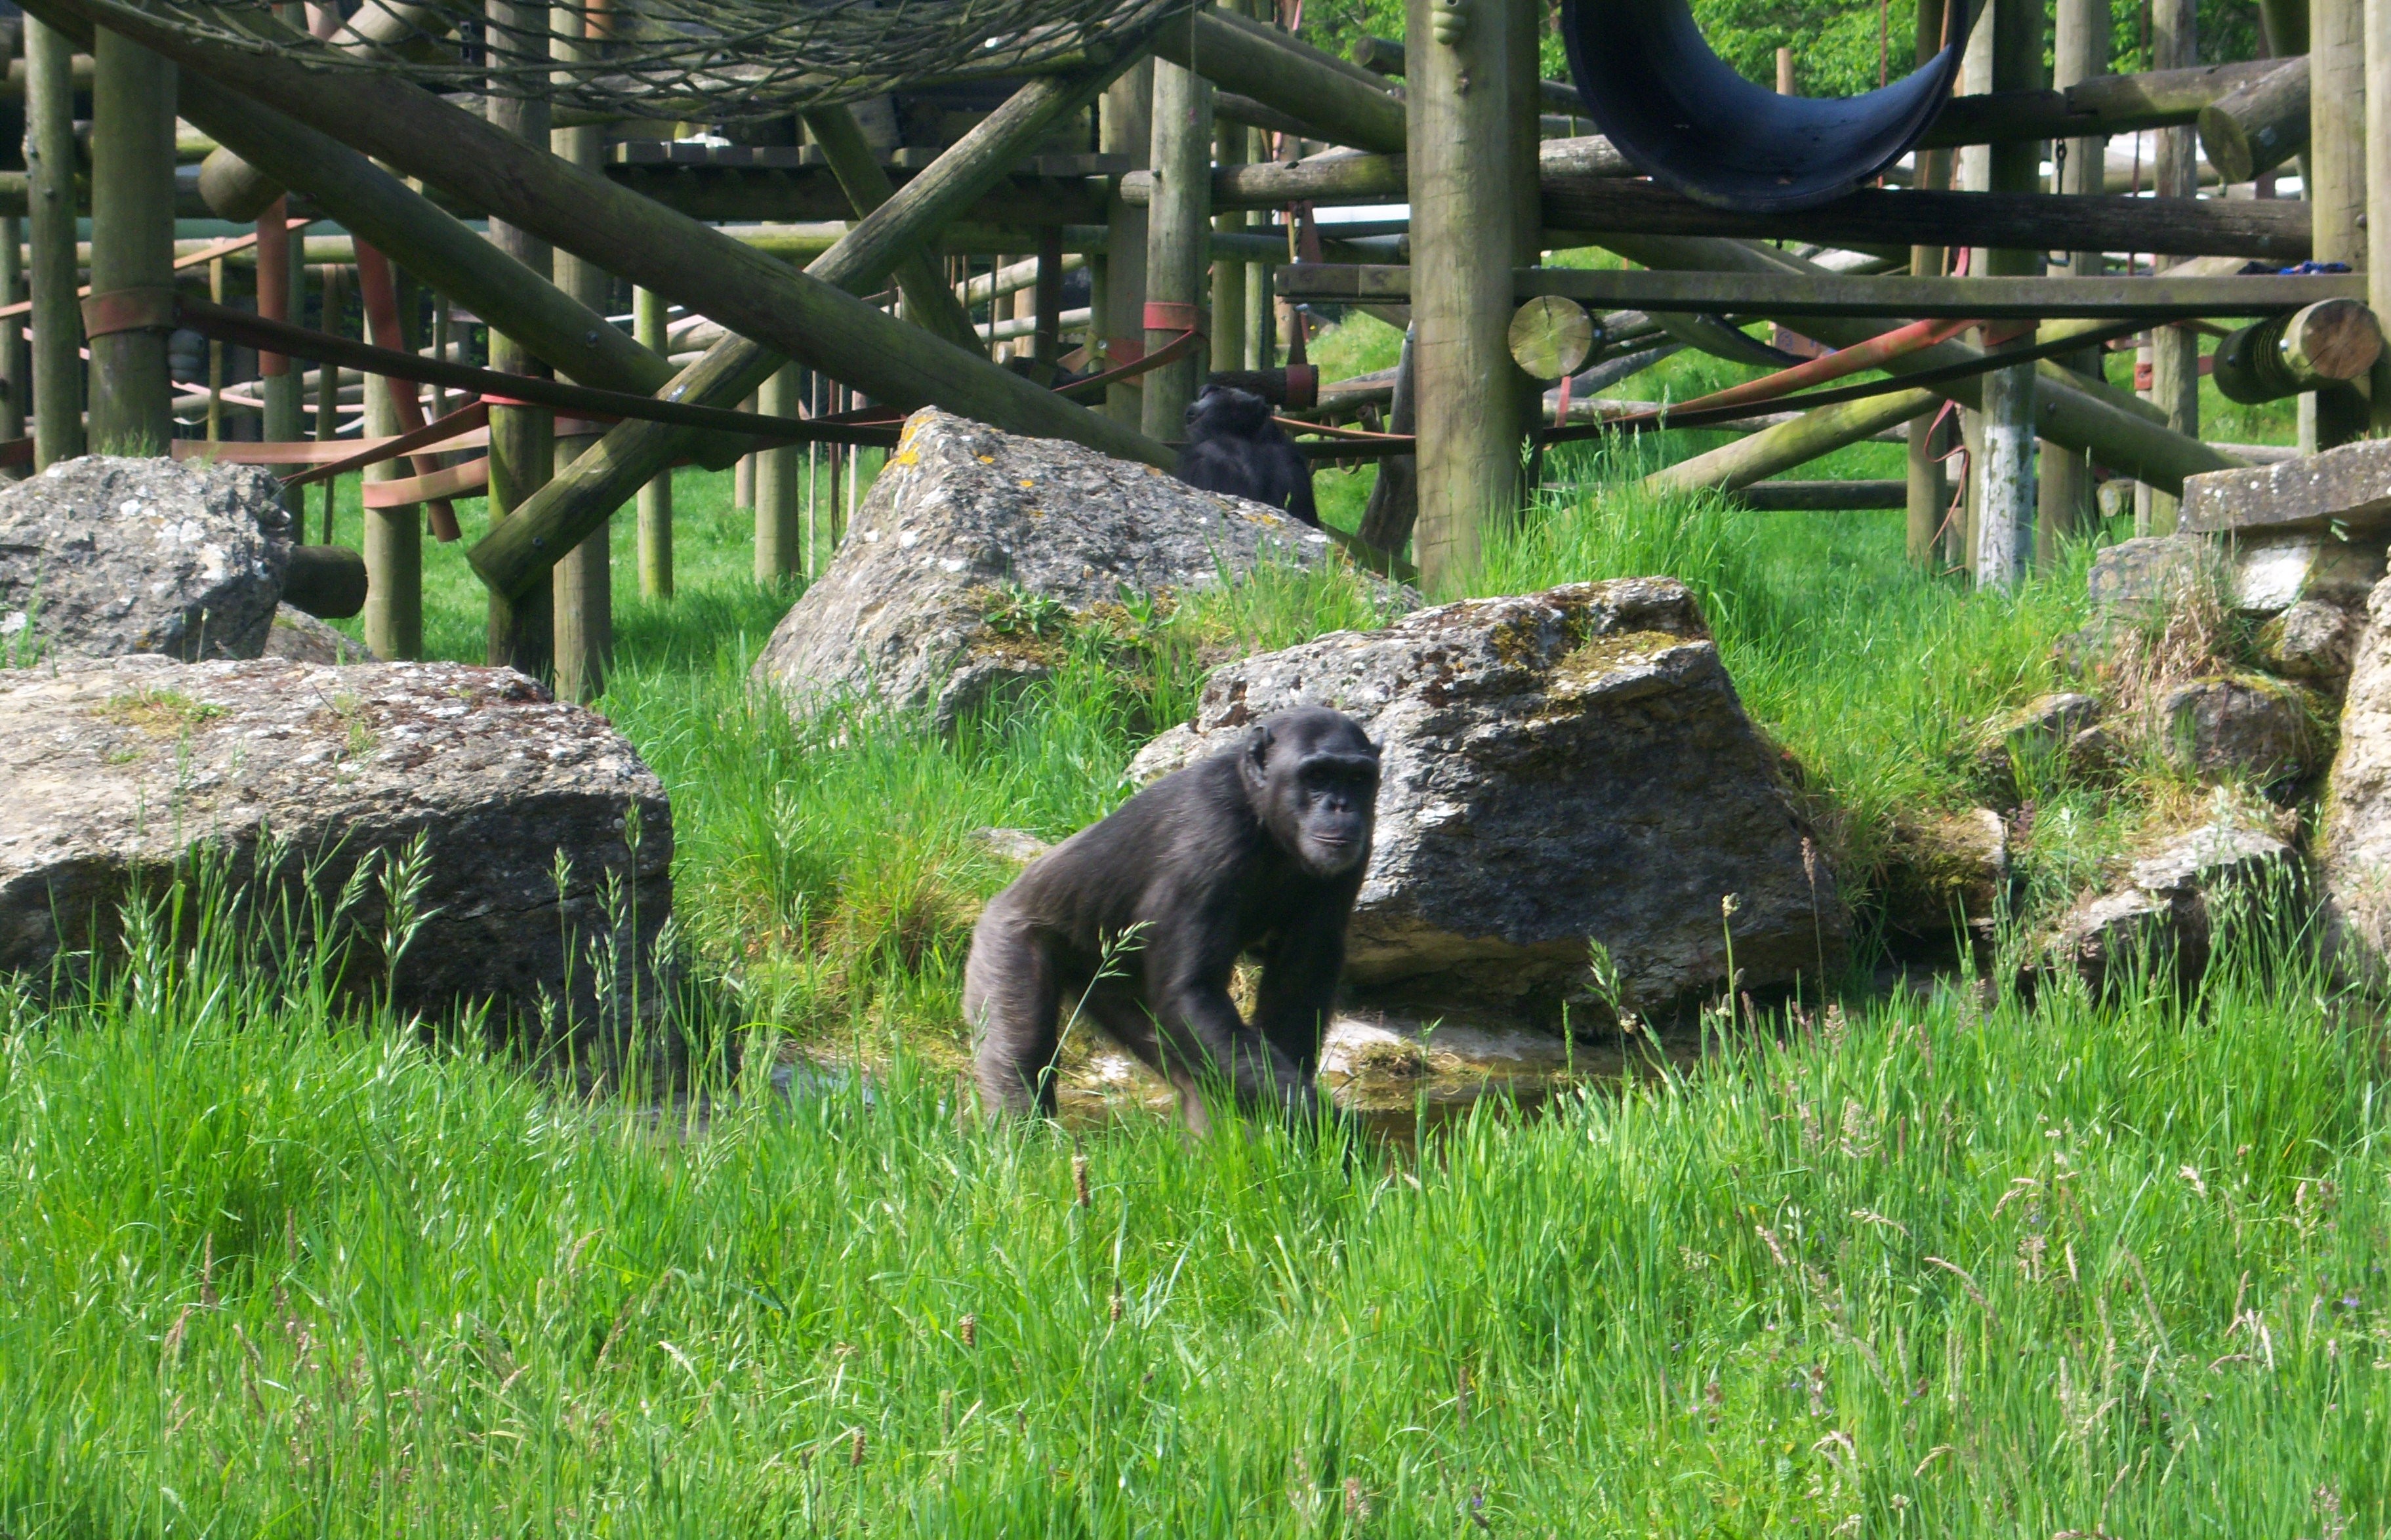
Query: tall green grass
{"points": [[1937, 1268]]}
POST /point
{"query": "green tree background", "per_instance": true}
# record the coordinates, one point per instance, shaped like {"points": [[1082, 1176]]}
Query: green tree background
{"points": [[1839, 45]]}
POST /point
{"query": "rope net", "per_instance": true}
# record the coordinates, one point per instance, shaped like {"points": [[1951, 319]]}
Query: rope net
{"points": [[711, 61]]}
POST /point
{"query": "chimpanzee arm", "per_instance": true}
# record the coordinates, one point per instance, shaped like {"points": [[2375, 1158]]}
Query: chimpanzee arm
{"points": [[1299, 985], [1188, 968], [1299, 502]]}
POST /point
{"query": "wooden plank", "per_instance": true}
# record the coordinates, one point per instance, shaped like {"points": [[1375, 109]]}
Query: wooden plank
{"points": [[1341, 102], [2277, 229], [718, 193], [1803, 294], [2105, 105]]}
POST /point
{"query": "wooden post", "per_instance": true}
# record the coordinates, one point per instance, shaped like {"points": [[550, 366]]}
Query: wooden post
{"points": [[1228, 340], [2175, 350], [328, 389], [2006, 490], [929, 304], [2336, 185], [780, 514], [1466, 164], [584, 580], [1785, 72], [522, 442], [1178, 230], [1929, 493], [217, 361], [58, 320], [393, 536], [2378, 188], [132, 241], [648, 320], [1819, 432], [1124, 126], [2080, 52], [1048, 299], [15, 396]]}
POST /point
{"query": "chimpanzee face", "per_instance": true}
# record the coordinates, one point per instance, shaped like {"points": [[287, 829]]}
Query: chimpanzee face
{"points": [[1313, 776]]}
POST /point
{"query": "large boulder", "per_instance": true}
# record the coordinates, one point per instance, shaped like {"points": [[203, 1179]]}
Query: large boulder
{"points": [[2239, 727], [1560, 767], [112, 773], [106, 556], [2354, 841], [971, 537]]}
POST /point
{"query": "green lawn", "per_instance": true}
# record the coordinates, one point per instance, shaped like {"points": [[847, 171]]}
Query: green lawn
{"points": [[1921, 1265]]}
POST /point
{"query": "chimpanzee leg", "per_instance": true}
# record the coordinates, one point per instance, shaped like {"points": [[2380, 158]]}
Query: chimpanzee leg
{"points": [[1114, 1006], [1009, 993]]}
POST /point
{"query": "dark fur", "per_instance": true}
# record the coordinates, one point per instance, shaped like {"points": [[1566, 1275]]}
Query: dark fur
{"points": [[1258, 849], [1234, 447]]}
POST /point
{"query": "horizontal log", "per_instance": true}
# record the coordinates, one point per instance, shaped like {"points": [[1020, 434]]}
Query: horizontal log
{"points": [[1804, 294], [1821, 497], [1384, 55], [2093, 109], [2274, 230]]}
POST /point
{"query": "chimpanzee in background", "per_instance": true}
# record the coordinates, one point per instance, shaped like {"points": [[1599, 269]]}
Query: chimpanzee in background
{"points": [[1234, 447], [1143, 915]]}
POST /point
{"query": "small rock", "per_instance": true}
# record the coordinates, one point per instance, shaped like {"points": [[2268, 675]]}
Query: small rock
{"points": [[114, 767], [1013, 844], [1945, 872], [105, 557], [2311, 640], [2176, 898], [2239, 727], [2148, 575], [2272, 572], [301, 638], [2035, 741], [2095, 752]]}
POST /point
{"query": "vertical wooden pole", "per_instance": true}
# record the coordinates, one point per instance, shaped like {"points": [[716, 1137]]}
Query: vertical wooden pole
{"points": [[215, 357], [328, 382], [58, 320], [1229, 272], [2378, 187], [523, 446], [1785, 72], [2175, 350], [15, 396], [2337, 176], [1929, 493], [648, 324], [278, 380], [131, 241], [1466, 161], [1125, 127], [780, 514], [1974, 168], [1177, 240], [2005, 536], [1047, 338], [393, 536], [2079, 52], [584, 580]]}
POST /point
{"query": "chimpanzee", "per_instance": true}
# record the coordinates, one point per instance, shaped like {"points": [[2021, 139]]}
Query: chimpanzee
{"points": [[1142, 917], [1234, 447]]}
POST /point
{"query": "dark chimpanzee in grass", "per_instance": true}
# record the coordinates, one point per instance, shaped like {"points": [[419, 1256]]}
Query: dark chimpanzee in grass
{"points": [[1234, 447], [1142, 917]]}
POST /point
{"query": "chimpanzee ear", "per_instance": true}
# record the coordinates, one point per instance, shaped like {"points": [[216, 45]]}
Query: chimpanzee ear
{"points": [[1254, 764]]}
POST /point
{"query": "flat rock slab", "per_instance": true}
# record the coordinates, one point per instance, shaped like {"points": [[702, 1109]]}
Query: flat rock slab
{"points": [[106, 556], [112, 770], [966, 522], [1558, 767], [2349, 486], [2166, 914]]}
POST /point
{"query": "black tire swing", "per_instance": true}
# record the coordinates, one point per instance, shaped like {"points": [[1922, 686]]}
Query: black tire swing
{"points": [[1682, 116]]}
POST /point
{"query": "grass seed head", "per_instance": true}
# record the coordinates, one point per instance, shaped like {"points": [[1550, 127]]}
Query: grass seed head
{"points": [[1080, 1178]]}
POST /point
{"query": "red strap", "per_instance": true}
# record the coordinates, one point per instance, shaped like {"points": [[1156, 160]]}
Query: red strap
{"points": [[379, 287], [1302, 387], [129, 310], [1163, 315]]}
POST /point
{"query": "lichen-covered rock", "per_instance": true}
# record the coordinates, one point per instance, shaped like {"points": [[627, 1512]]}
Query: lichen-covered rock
{"points": [[2031, 743], [966, 521], [2167, 914], [301, 638], [1945, 872], [106, 556], [2239, 727], [2354, 841], [111, 770], [2311, 640], [2152, 573], [1559, 767]]}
